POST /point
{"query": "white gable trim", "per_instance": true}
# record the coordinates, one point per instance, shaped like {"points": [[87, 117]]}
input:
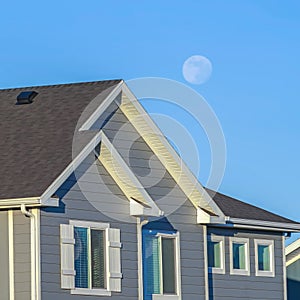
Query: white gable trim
{"points": [[292, 247], [140, 201], [70, 168], [199, 197], [102, 107]]}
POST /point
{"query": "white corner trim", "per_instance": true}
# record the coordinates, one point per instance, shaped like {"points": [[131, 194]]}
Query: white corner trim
{"points": [[10, 217], [284, 270], [221, 240], [139, 226], [205, 262], [102, 107], [246, 271], [292, 247], [35, 226], [270, 244]]}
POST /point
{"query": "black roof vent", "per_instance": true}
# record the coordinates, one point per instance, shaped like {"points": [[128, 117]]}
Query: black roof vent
{"points": [[26, 97]]}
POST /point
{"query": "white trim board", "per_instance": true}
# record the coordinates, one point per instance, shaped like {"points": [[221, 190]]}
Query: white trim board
{"points": [[292, 247], [169, 158]]}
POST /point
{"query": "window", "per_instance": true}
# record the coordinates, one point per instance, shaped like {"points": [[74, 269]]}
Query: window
{"points": [[90, 258], [239, 256], [216, 254], [161, 272], [264, 258]]}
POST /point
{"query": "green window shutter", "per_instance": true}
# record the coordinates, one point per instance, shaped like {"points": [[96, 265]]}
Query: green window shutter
{"points": [[114, 259], [67, 242], [98, 258]]}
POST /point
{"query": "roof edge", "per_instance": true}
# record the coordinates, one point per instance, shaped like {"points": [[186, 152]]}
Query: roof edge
{"points": [[29, 201], [281, 226]]}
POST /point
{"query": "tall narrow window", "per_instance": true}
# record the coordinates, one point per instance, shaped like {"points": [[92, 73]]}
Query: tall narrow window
{"points": [[239, 256], [216, 254], [168, 265], [89, 258], [264, 258], [160, 263]]}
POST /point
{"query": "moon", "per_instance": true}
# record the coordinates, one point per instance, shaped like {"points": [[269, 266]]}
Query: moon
{"points": [[197, 69]]}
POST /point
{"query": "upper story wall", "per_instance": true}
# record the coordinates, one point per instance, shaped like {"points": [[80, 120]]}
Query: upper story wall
{"points": [[227, 286], [91, 194]]}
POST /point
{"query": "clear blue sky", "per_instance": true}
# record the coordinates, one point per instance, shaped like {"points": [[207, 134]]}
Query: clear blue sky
{"points": [[254, 47]]}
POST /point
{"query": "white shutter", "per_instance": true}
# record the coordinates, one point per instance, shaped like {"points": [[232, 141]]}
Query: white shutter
{"points": [[114, 259], [67, 242]]}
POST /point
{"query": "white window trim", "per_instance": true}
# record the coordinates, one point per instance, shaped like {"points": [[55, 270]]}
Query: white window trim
{"points": [[269, 243], [90, 291], [245, 241], [221, 239], [176, 296]]}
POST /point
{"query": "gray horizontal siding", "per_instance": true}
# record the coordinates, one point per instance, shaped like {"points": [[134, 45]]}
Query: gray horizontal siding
{"points": [[4, 256], [227, 286], [77, 207], [22, 256]]}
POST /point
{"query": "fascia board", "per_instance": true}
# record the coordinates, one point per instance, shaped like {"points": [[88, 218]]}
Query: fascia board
{"points": [[16, 202], [70, 169], [292, 247], [289, 227], [102, 107]]}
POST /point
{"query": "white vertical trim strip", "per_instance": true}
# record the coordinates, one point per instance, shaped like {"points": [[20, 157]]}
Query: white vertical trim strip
{"points": [[178, 265], [205, 262], [33, 257], [11, 254], [139, 226], [284, 268], [36, 223]]}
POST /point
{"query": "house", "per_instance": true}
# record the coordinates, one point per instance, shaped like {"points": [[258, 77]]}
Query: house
{"points": [[292, 253], [96, 204]]}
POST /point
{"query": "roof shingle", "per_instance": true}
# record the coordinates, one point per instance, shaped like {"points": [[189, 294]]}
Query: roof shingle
{"points": [[238, 209], [36, 139]]}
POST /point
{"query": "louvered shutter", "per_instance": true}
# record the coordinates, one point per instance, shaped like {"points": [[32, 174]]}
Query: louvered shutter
{"points": [[67, 242], [114, 256]]}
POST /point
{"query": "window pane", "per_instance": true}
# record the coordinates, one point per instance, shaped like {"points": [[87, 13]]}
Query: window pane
{"points": [[239, 256], [214, 254], [264, 258], [152, 265], [97, 259], [81, 257], [168, 265]]}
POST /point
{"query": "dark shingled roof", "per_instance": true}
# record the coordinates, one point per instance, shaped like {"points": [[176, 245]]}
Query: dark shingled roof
{"points": [[238, 209], [36, 139]]}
